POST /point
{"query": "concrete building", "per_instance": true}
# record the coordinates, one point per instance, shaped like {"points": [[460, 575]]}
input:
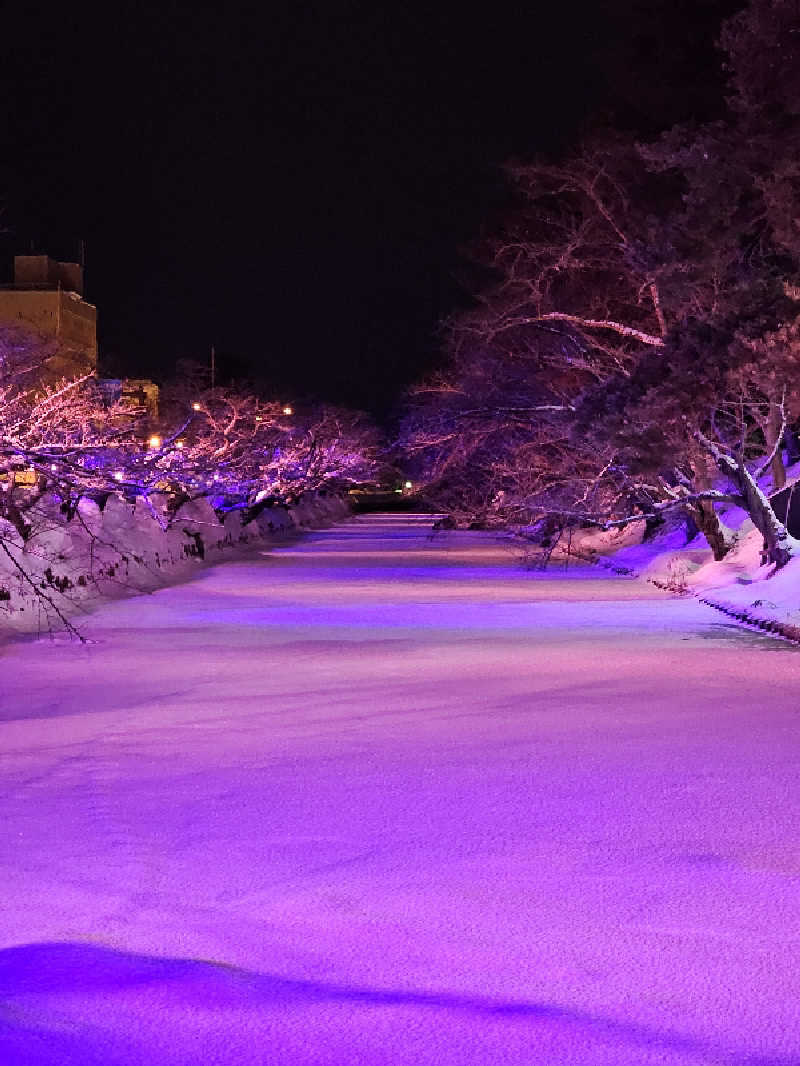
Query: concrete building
{"points": [[48, 296]]}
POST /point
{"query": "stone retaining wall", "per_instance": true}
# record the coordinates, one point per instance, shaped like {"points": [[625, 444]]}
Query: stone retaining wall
{"points": [[124, 548]]}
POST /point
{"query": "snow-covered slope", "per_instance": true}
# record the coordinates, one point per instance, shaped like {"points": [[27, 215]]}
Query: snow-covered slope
{"points": [[740, 580]]}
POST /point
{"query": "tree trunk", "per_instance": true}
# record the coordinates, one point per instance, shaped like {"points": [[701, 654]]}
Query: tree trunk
{"points": [[702, 512], [779, 545], [652, 523], [707, 521], [773, 434]]}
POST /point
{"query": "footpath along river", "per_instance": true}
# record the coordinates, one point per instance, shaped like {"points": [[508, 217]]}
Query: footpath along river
{"points": [[376, 798]]}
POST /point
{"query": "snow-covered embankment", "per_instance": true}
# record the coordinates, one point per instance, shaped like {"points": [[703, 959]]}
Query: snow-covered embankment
{"points": [[68, 563]]}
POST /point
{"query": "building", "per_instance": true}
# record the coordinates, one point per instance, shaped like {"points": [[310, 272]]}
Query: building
{"points": [[135, 393], [48, 296]]}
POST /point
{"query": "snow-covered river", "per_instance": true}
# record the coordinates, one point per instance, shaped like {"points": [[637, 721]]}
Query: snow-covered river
{"points": [[376, 799]]}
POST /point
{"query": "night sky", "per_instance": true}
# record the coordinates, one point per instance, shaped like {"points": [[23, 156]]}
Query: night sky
{"points": [[296, 184]]}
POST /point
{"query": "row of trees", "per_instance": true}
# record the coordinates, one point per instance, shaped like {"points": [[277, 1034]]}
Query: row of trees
{"points": [[638, 347], [228, 444]]}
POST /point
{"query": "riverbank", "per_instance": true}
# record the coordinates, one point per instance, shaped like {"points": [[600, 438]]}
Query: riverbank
{"points": [[72, 563], [739, 586]]}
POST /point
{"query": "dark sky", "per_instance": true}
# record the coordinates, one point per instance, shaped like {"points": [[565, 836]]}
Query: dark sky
{"points": [[295, 183]]}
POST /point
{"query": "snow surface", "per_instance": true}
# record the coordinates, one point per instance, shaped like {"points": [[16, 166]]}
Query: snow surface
{"points": [[376, 798]]}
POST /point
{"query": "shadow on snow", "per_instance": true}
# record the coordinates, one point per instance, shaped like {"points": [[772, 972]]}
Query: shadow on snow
{"points": [[79, 971]]}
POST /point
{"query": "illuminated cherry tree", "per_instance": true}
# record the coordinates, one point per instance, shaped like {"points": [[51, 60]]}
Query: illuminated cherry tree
{"points": [[325, 447], [635, 351], [60, 437], [63, 442]]}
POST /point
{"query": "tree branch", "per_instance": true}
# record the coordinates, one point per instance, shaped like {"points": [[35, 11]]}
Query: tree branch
{"points": [[589, 323]]}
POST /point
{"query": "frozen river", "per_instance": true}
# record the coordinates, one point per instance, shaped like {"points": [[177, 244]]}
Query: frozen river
{"points": [[375, 799]]}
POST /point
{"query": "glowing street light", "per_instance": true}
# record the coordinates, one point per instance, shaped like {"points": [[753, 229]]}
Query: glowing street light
{"points": [[408, 484], [118, 475], [288, 410], [195, 406], [155, 442]]}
